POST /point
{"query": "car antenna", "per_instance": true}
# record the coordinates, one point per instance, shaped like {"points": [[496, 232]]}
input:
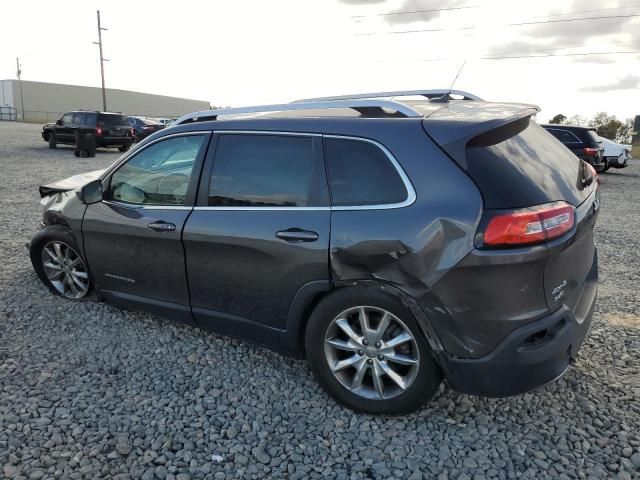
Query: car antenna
{"points": [[447, 96]]}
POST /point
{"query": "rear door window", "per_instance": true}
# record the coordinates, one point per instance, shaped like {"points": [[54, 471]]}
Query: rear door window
{"points": [[564, 136], [360, 174], [263, 171]]}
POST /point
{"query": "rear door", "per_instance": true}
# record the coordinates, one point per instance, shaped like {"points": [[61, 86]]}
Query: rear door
{"points": [[132, 238], [259, 233]]}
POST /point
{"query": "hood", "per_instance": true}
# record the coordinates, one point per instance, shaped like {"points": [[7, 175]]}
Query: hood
{"points": [[70, 183]]}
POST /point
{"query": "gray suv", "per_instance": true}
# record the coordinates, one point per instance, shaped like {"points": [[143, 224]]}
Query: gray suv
{"points": [[391, 239]]}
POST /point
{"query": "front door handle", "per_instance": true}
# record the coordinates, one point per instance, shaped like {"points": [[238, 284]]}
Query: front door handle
{"points": [[297, 235], [162, 226]]}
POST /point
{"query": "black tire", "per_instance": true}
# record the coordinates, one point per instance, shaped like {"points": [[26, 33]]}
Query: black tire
{"points": [[426, 381], [123, 148], [607, 166], [51, 138], [58, 233]]}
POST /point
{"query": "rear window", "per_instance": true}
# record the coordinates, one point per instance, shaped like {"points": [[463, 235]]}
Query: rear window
{"points": [[593, 136], [360, 173], [522, 165], [109, 120]]}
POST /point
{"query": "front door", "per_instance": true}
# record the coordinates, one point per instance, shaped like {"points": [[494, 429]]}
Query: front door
{"points": [[259, 233], [132, 238], [64, 129]]}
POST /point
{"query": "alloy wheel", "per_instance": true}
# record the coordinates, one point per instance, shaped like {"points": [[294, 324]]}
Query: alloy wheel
{"points": [[65, 270], [371, 352]]}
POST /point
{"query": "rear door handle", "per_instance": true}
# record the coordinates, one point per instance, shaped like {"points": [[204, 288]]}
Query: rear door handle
{"points": [[297, 235], [162, 226]]}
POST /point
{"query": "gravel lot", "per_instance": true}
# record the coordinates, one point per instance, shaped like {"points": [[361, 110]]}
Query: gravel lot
{"points": [[90, 391]]}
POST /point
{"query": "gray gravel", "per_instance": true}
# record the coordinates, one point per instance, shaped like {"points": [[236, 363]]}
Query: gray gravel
{"points": [[90, 391]]}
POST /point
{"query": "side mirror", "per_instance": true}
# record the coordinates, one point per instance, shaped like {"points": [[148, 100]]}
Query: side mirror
{"points": [[91, 192], [59, 122]]}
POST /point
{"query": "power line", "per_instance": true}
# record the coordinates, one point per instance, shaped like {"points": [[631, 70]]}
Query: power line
{"points": [[560, 48], [510, 57], [508, 24], [558, 55], [589, 11], [560, 20], [409, 12]]}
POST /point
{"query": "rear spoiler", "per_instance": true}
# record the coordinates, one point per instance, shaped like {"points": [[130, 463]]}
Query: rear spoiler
{"points": [[457, 123]]}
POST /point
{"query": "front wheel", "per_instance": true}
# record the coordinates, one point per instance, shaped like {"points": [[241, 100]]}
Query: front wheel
{"points": [[55, 258], [51, 138], [367, 351]]}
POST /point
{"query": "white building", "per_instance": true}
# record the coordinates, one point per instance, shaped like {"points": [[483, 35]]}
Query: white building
{"points": [[46, 102]]}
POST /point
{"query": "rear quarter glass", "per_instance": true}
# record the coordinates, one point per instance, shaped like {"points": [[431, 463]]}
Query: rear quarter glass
{"points": [[522, 165]]}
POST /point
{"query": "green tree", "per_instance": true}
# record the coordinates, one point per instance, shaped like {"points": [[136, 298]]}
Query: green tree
{"points": [[558, 119], [623, 134], [606, 125]]}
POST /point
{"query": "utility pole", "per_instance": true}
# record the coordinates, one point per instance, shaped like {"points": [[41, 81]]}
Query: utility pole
{"points": [[102, 60], [19, 73]]}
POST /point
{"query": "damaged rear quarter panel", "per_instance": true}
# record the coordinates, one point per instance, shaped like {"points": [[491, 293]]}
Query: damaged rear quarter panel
{"points": [[411, 247]]}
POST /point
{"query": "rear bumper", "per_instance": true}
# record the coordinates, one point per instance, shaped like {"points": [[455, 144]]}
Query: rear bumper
{"points": [[113, 141], [530, 356]]}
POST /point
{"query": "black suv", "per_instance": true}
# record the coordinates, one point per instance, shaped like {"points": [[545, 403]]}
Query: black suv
{"points": [[111, 129], [583, 141], [389, 242]]}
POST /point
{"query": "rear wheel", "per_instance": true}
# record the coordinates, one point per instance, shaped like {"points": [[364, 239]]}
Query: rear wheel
{"points": [[56, 259], [607, 165], [51, 138], [123, 148], [367, 351]]}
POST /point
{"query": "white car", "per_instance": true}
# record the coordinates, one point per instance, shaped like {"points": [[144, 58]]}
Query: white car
{"points": [[615, 154]]}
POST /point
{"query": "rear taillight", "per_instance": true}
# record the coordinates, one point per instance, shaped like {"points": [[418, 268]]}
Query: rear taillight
{"points": [[594, 174], [529, 226], [98, 131], [590, 151]]}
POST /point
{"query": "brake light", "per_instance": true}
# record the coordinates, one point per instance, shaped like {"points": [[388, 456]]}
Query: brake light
{"points": [[590, 151], [529, 226], [98, 131], [594, 174]]}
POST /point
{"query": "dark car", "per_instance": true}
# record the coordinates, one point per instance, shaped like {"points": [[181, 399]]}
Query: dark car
{"points": [[389, 242], [143, 127], [111, 129], [583, 141]]}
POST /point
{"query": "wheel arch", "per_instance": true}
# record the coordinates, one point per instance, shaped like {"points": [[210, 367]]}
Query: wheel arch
{"points": [[310, 294]]}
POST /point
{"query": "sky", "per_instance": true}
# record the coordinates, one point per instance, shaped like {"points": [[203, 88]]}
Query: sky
{"points": [[242, 52]]}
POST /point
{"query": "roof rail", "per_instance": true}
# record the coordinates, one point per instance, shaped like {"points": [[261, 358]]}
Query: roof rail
{"points": [[435, 93], [366, 107]]}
